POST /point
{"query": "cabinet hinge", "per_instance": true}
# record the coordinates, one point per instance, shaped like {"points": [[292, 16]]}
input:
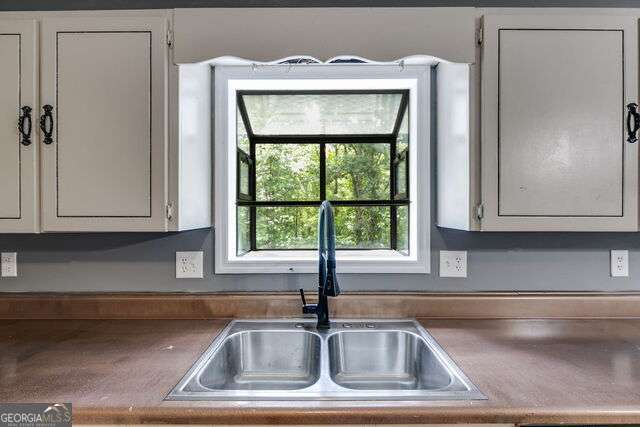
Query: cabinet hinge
{"points": [[169, 211], [480, 211], [480, 35], [170, 38]]}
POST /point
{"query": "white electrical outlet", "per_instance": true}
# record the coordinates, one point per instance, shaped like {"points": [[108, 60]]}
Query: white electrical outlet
{"points": [[619, 263], [453, 263], [9, 261], [189, 265]]}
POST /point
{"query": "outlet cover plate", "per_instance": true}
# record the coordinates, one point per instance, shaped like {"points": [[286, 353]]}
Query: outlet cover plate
{"points": [[9, 261], [619, 263], [453, 263], [189, 265]]}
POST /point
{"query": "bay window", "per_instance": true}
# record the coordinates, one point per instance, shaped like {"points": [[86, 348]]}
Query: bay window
{"points": [[287, 138]]}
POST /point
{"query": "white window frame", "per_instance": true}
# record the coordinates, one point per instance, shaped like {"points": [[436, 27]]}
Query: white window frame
{"points": [[228, 79]]}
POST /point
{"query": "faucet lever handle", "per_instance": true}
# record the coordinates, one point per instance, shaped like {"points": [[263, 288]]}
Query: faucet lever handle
{"points": [[307, 308]]}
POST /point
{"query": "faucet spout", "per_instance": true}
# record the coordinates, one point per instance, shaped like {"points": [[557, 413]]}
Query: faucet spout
{"points": [[327, 279], [327, 251]]}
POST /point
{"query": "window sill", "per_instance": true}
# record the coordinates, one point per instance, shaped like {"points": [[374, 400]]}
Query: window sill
{"points": [[354, 261]]}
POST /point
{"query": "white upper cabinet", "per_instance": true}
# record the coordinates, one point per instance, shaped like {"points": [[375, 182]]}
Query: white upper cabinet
{"points": [[18, 106], [552, 151], [120, 140], [555, 155], [104, 82]]}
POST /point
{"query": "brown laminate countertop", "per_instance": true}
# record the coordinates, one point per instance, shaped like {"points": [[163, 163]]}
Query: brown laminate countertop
{"points": [[532, 371]]}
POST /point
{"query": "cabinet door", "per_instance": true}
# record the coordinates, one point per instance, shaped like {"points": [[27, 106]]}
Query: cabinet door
{"points": [[104, 167], [554, 149], [18, 155]]}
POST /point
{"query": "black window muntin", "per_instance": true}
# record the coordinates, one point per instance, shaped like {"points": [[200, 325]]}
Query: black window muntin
{"points": [[249, 159]]}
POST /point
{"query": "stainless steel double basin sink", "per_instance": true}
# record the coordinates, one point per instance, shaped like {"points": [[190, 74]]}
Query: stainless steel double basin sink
{"points": [[354, 360]]}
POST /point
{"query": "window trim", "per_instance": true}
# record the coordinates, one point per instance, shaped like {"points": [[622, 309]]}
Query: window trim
{"points": [[229, 79]]}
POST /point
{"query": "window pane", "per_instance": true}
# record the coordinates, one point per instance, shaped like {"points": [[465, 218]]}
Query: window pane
{"points": [[403, 229], [241, 130], [287, 227], [401, 179], [322, 114], [244, 178], [243, 241], [402, 150], [288, 172], [362, 227], [403, 133], [358, 171]]}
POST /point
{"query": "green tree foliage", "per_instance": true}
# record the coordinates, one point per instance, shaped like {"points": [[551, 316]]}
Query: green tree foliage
{"points": [[292, 172], [243, 230], [284, 173], [286, 227], [287, 172], [359, 172], [403, 229]]}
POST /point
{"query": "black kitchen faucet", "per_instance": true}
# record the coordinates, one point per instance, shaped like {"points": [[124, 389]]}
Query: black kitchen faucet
{"points": [[327, 280]]}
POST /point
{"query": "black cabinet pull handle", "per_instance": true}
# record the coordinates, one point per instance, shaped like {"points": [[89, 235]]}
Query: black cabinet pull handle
{"points": [[46, 124], [24, 125], [633, 131]]}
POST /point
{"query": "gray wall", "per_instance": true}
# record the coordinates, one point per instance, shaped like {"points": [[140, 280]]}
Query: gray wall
{"points": [[145, 262]]}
